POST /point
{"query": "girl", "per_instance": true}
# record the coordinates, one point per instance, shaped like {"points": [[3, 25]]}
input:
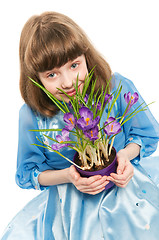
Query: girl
{"points": [[53, 51]]}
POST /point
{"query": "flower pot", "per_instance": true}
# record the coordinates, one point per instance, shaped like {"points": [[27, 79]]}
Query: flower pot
{"points": [[105, 171]]}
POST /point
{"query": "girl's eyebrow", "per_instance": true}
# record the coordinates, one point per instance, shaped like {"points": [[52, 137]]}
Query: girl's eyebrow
{"points": [[56, 68], [52, 70], [77, 58]]}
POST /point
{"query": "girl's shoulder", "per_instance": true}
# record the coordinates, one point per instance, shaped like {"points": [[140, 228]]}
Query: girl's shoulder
{"points": [[117, 79], [27, 111], [30, 117], [27, 117]]}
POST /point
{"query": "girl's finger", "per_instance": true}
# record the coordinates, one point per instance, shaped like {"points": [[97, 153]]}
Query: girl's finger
{"points": [[86, 182], [121, 183], [96, 192], [129, 171], [94, 188], [88, 185]]}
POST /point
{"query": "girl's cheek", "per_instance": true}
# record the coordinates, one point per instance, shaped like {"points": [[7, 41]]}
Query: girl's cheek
{"points": [[81, 87]]}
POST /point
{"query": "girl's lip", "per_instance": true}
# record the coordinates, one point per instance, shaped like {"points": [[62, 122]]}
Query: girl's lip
{"points": [[73, 92]]}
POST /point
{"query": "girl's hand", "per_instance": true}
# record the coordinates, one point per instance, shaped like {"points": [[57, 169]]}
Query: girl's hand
{"points": [[92, 185], [125, 170]]}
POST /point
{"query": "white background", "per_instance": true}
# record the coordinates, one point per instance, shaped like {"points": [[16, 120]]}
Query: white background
{"points": [[124, 31]]}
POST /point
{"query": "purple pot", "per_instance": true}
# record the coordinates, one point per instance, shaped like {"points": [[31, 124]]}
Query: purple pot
{"points": [[105, 171]]}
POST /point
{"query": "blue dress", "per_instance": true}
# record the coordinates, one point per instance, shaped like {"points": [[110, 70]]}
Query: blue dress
{"points": [[62, 212]]}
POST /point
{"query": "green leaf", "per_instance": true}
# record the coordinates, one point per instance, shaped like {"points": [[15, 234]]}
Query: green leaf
{"points": [[45, 130], [87, 82], [50, 138], [67, 159], [40, 146], [54, 99], [117, 94]]}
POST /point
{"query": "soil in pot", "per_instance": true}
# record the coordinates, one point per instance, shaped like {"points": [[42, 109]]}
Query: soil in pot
{"points": [[97, 168]]}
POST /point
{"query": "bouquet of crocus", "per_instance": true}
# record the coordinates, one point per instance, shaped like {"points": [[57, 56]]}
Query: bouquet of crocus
{"points": [[83, 119]]}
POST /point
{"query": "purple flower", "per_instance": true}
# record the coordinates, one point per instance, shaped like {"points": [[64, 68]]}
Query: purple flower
{"points": [[86, 121], [70, 105], [92, 133], [112, 126], [61, 138], [97, 106], [131, 98], [80, 104], [86, 98], [107, 98], [70, 120]]}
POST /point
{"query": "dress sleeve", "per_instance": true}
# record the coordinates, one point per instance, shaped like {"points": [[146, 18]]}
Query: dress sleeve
{"points": [[31, 160], [142, 129]]}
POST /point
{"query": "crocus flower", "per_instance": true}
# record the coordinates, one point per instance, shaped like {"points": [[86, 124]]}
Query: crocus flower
{"points": [[131, 98], [92, 133], [70, 105], [112, 126], [97, 106], [86, 121], [80, 104], [107, 98], [61, 138], [70, 120], [86, 98]]}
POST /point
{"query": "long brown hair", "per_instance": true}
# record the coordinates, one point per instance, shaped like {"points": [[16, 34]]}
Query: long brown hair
{"points": [[51, 40]]}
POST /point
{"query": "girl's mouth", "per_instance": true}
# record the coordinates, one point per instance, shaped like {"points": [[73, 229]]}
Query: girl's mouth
{"points": [[73, 92]]}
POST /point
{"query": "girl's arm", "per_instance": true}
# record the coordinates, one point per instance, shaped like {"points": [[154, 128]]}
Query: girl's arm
{"points": [[91, 185], [95, 184]]}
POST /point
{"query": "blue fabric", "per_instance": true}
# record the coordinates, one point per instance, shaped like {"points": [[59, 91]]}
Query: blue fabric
{"points": [[62, 212], [34, 179]]}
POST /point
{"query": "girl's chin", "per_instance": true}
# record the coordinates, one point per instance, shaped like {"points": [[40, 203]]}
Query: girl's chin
{"points": [[66, 99]]}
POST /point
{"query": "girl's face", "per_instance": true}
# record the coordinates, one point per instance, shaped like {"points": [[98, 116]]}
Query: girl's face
{"points": [[64, 77]]}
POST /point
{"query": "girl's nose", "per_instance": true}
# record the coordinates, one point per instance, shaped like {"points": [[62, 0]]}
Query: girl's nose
{"points": [[67, 81]]}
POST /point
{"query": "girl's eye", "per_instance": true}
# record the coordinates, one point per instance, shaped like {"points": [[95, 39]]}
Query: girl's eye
{"points": [[74, 65], [52, 75]]}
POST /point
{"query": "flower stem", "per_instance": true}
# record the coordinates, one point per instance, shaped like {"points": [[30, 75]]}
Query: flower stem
{"points": [[106, 149], [111, 145]]}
